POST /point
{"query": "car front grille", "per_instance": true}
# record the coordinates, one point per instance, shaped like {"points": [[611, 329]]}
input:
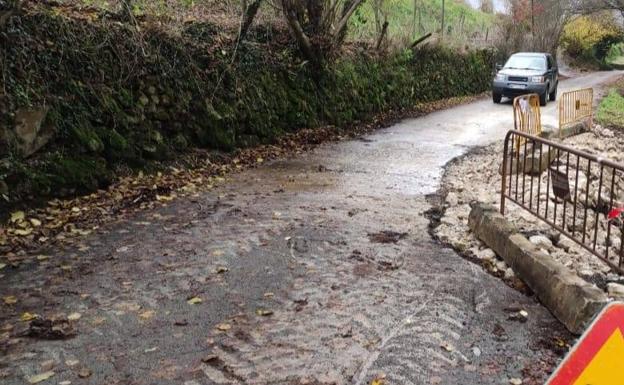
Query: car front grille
{"points": [[518, 79]]}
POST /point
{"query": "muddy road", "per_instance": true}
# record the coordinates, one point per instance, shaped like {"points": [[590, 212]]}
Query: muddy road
{"points": [[313, 270]]}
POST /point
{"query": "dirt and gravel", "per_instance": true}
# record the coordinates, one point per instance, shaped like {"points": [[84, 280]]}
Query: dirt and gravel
{"points": [[476, 178], [313, 269]]}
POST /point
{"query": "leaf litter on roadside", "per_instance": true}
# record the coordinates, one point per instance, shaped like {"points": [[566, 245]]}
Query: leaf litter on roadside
{"points": [[63, 221]]}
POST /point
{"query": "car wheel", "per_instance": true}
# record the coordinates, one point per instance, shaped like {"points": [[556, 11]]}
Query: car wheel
{"points": [[496, 97], [543, 98], [553, 95]]}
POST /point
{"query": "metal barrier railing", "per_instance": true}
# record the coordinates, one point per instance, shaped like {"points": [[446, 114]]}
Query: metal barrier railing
{"points": [[527, 115], [575, 106], [580, 195]]}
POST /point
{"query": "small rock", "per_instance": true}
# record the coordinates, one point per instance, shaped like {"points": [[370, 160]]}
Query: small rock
{"points": [[515, 381], [566, 244], [509, 273], [615, 290], [586, 273], [452, 199], [607, 133], [501, 265], [541, 241], [486, 254], [476, 351]]}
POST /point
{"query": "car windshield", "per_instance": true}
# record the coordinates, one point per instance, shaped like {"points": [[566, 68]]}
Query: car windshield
{"points": [[526, 62]]}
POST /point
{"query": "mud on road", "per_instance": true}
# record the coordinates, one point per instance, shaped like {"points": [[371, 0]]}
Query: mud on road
{"points": [[293, 288], [314, 270]]}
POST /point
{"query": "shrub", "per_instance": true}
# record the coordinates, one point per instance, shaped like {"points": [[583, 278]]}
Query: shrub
{"points": [[588, 38]]}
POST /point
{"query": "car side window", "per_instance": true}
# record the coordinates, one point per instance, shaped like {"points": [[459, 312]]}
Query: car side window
{"points": [[550, 62]]}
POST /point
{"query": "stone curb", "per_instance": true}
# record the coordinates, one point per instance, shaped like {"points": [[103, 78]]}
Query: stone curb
{"points": [[571, 299]]}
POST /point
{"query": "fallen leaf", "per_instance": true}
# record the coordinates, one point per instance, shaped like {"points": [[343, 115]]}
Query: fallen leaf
{"points": [[447, 347], [194, 301], [2, 266], [164, 198], [17, 216], [72, 362], [147, 314], [224, 327], [74, 316], [378, 381], [84, 373], [9, 299], [23, 232], [221, 270], [269, 295], [42, 257], [515, 381], [264, 312], [35, 222], [25, 317], [210, 358], [40, 377]]}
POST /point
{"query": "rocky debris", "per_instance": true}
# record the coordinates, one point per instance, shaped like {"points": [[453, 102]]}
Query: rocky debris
{"points": [[475, 178], [615, 291], [541, 241], [486, 254]]}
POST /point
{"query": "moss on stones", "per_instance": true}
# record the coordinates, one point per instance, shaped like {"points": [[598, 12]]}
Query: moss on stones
{"points": [[112, 106]]}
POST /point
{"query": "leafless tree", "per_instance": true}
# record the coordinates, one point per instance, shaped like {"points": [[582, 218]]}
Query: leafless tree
{"points": [[487, 6], [534, 25], [318, 26], [591, 6]]}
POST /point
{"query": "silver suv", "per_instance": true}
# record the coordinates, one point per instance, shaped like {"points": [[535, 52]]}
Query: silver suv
{"points": [[527, 73]]}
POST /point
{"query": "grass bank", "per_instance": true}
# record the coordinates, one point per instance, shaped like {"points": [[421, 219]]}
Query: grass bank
{"points": [[611, 110]]}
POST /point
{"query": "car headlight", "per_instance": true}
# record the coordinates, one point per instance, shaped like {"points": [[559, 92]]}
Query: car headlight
{"points": [[536, 79], [500, 77]]}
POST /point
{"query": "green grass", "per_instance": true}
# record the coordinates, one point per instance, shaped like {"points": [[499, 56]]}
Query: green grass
{"points": [[615, 56], [462, 22], [611, 110]]}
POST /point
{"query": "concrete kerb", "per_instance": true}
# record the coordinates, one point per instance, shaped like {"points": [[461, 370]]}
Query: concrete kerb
{"points": [[572, 300]]}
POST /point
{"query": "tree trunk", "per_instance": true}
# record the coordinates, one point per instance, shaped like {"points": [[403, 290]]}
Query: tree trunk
{"points": [[382, 36], [443, 16], [248, 17]]}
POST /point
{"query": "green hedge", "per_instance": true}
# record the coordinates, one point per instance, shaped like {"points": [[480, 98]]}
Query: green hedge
{"points": [[117, 100]]}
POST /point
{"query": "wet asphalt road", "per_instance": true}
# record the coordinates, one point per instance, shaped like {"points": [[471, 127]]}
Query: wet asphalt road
{"points": [[294, 287]]}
